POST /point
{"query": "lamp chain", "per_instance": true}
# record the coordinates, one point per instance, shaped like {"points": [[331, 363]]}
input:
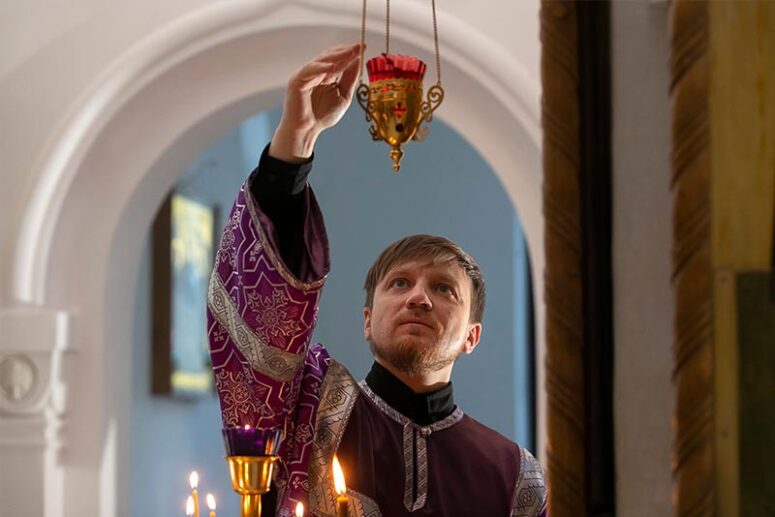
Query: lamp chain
{"points": [[436, 41], [387, 26], [363, 40], [387, 37]]}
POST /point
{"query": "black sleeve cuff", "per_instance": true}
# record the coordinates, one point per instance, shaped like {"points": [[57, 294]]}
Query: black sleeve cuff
{"points": [[275, 178]]}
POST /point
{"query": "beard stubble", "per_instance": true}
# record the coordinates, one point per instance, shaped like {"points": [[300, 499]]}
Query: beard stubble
{"points": [[411, 356]]}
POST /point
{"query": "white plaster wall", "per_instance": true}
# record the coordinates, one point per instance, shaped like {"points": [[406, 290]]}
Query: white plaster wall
{"points": [[51, 54], [54, 53], [643, 303]]}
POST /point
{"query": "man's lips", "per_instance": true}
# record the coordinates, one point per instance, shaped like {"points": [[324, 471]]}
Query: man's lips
{"points": [[414, 321]]}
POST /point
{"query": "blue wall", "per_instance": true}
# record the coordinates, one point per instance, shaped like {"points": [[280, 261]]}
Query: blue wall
{"points": [[444, 188]]}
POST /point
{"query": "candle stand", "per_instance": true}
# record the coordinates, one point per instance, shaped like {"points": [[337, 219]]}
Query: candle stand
{"points": [[251, 477], [252, 454]]}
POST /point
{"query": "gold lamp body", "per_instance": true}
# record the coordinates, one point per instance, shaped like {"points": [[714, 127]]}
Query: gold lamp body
{"points": [[396, 108], [393, 100]]}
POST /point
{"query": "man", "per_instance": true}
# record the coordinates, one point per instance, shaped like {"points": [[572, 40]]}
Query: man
{"points": [[405, 447]]}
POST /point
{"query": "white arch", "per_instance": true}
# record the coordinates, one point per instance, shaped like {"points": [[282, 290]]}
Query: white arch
{"points": [[497, 73], [153, 111]]}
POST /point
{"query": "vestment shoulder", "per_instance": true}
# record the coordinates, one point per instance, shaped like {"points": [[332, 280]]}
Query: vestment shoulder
{"points": [[529, 498]]}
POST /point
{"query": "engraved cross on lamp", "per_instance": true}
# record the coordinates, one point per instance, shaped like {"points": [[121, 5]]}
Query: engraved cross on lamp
{"points": [[393, 100]]}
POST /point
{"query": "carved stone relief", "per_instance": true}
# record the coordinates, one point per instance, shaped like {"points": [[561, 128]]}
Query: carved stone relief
{"points": [[18, 376]]}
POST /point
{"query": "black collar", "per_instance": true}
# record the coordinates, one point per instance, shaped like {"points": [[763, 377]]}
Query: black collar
{"points": [[422, 408]]}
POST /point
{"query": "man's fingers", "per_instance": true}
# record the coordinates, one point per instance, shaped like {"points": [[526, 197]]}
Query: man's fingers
{"points": [[349, 77], [312, 74], [337, 53], [340, 59], [329, 63]]}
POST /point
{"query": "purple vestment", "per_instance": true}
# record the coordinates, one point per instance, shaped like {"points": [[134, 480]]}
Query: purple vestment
{"points": [[260, 321]]}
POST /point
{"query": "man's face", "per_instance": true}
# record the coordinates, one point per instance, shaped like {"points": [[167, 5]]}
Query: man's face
{"points": [[418, 322]]}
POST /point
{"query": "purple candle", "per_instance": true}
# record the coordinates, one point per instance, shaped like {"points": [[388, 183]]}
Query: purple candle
{"points": [[248, 441]]}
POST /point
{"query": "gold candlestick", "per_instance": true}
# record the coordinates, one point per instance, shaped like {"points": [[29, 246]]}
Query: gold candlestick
{"points": [[341, 489], [251, 477]]}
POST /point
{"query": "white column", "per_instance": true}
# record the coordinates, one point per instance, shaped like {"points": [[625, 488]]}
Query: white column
{"points": [[32, 403], [642, 240]]}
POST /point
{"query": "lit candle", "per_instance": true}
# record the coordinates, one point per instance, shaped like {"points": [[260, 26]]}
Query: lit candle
{"points": [[193, 479], [299, 509], [211, 504], [190, 506], [341, 490]]}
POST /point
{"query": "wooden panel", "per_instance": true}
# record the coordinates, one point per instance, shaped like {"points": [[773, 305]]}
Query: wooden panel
{"points": [[161, 301], [727, 394], [576, 116], [742, 99], [756, 318], [694, 454], [563, 247]]}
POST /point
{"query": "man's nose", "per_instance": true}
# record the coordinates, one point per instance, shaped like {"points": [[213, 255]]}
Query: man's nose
{"points": [[418, 298]]}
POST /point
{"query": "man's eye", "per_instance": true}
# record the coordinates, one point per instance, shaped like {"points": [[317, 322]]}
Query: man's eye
{"points": [[444, 288], [399, 282]]}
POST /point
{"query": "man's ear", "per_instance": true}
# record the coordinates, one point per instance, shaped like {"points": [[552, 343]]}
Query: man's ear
{"points": [[367, 324], [472, 339]]}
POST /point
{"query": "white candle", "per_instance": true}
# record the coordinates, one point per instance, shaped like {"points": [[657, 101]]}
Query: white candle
{"points": [[211, 504], [193, 479]]}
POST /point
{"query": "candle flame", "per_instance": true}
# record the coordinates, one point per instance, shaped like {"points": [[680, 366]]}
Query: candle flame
{"points": [[299, 509], [211, 502], [193, 478], [339, 484], [247, 427], [190, 506]]}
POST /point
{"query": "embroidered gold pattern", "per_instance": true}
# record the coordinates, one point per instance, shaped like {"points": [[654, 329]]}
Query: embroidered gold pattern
{"points": [[337, 400], [227, 251], [277, 364], [360, 505], [415, 448], [278, 316], [530, 493], [242, 399]]}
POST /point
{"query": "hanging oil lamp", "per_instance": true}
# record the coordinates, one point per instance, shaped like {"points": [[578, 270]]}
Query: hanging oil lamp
{"points": [[393, 100]]}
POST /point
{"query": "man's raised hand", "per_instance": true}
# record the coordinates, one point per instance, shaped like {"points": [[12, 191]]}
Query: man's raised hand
{"points": [[316, 98]]}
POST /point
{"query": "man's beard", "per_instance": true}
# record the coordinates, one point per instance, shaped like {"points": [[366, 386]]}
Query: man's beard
{"points": [[412, 358]]}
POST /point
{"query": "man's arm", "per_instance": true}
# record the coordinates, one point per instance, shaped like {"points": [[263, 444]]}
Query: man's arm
{"points": [[265, 286], [269, 273], [279, 190], [316, 98]]}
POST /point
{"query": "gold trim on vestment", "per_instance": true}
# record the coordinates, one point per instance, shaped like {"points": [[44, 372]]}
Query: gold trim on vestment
{"points": [[279, 365], [529, 497], [337, 400]]}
